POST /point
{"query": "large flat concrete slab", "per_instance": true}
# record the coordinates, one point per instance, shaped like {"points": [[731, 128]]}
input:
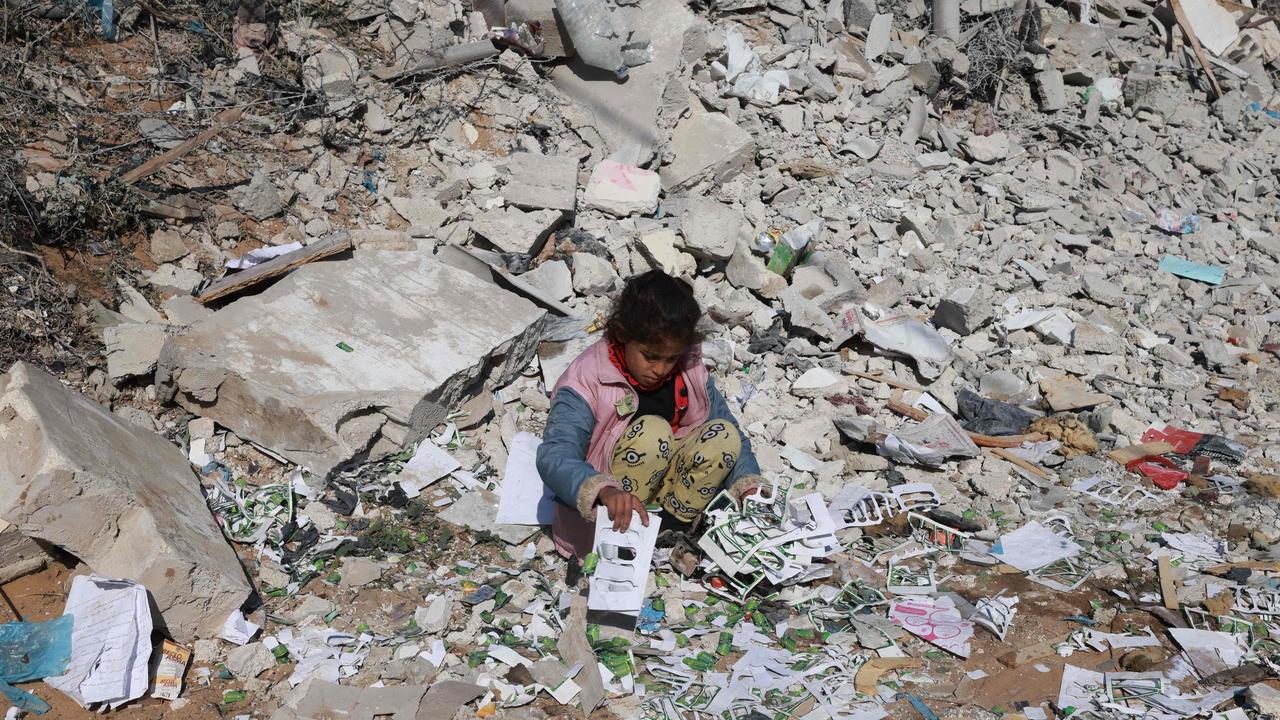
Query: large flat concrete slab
{"points": [[627, 112], [421, 334], [117, 496]]}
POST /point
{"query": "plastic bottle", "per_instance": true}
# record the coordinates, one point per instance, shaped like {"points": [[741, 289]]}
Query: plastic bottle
{"points": [[595, 38]]}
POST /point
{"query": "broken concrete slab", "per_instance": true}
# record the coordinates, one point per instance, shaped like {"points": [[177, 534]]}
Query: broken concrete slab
{"points": [[712, 229], [707, 143], [167, 246], [132, 349], [250, 660], [422, 213], [176, 278], [259, 199], [119, 497], [626, 113], [19, 554], [516, 231], [551, 277], [135, 307], [542, 182], [620, 189], [270, 367]]}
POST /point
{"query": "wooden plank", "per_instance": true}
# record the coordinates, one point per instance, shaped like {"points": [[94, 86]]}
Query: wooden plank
{"points": [[887, 380], [1168, 588], [1032, 468], [275, 267], [225, 119], [1181, 16]]}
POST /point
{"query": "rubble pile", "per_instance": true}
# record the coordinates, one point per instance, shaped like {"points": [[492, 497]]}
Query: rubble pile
{"points": [[989, 285]]}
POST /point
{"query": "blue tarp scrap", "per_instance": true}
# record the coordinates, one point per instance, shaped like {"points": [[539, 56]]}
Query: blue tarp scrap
{"points": [[32, 651]]}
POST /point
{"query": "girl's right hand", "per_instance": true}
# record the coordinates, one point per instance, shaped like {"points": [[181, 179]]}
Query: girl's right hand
{"points": [[620, 505]]}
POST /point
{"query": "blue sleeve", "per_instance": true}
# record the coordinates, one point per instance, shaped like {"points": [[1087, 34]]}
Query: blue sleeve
{"points": [[562, 455], [747, 464]]}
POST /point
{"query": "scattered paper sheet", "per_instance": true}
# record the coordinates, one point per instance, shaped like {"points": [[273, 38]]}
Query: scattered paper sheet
{"points": [[1033, 546], [929, 442], [1079, 687], [428, 464], [237, 629], [261, 255], [618, 583], [110, 642], [908, 336], [1210, 652], [936, 620], [524, 498]]}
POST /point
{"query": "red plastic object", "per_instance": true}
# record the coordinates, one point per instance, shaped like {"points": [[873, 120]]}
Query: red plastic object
{"points": [[1181, 440], [1162, 471]]}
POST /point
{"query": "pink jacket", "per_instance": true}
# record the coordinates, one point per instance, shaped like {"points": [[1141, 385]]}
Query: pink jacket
{"points": [[612, 401]]}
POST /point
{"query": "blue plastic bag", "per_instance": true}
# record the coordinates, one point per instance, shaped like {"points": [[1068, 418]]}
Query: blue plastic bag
{"points": [[31, 651]]}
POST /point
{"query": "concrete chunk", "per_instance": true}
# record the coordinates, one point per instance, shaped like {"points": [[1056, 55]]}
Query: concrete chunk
{"points": [[132, 349], [712, 229], [117, 496], [515, 231], [707, 143], [622, 190], [421, 334], [539, 182], [964, 311]]}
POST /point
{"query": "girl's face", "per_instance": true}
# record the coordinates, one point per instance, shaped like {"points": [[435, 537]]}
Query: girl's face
{"points": [[651, 363]]}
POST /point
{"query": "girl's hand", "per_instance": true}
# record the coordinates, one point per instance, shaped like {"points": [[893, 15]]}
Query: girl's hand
{"points": [[620, 505]]}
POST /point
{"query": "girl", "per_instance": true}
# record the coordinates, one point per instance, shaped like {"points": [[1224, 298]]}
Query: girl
{"points": [[636, 419]]}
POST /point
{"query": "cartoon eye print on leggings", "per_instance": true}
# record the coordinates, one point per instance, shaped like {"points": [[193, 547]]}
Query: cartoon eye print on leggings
{"points": [[712, 430], [632, 457]]}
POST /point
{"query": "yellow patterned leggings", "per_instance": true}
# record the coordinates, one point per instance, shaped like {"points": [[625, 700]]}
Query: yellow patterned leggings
{"points": [[680, 475]]}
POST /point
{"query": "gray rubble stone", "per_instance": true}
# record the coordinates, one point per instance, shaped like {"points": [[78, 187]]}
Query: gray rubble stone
{"points": [[1050, 90], [592, 275], [268, 366], [134, 306], [964, 310], [712, 229], [622, 190], [249, 660], [878, 36], [167, 246], [516, 231], [987, 148], [542, 182], [744, 269], [1101, 289], [707, 143], [858, 15], [552, 277], [177, 278], [1265, 699], [120, 498], [132, 349], [259, 199]]}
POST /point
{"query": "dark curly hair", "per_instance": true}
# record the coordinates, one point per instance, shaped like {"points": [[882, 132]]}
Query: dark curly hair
{"points": [[652, 308]]}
